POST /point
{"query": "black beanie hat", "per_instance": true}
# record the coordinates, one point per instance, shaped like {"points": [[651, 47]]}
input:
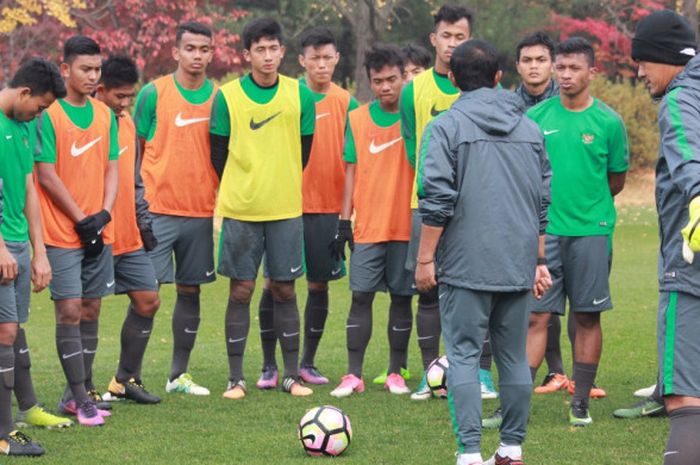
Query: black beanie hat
{"points": [[664, 37]]}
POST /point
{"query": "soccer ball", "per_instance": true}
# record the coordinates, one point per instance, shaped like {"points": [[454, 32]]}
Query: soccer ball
{"points": [[325, 430], [437, 376]]}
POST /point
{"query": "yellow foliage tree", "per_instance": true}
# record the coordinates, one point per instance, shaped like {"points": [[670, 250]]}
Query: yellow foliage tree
{"points": [[17, 13]]}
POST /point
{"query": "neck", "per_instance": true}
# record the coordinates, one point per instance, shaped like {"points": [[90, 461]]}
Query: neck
{"points": [[390, 107], [577, 102], [441, 68], [264, 79], [6, 98], [75, 98], [536, 89], [319, 88], [189, 81]]}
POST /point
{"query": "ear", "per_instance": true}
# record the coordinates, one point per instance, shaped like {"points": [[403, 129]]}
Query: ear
{"points": [[99, 90], [593, 71], [337, 57], [65, 70], [497, 78], [211, 53], [25, 92], [283, 50], [302, 61], [176, 53], [432, 38], [246, 55]]}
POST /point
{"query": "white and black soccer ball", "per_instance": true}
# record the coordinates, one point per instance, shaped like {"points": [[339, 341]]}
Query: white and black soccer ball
{"points": [[325, 430], [436, 376]]}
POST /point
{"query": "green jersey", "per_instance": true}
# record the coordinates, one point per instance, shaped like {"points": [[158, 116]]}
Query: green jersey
{"points": [[379, 117], [15, 164], [220, 122], [583, 148]]}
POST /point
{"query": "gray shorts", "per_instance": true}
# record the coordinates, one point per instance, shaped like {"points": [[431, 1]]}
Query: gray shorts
{"points": [[76, 276], [243, 243], [319, 231], [14, 296], [412, 254], [191, 241], [580, 267], [381, 267], [678, 327], [134, 271]]}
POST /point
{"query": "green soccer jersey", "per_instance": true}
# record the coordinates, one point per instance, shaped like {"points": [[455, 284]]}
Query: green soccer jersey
{"points": [[15, 164], [220, 122], [583, 148], [45, 151], [379, 117], [146, 100]]}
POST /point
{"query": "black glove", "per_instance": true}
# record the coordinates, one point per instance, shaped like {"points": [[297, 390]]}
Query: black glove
{"points": [[344, 234], [93, 247], [92, 225], [148, 238]]}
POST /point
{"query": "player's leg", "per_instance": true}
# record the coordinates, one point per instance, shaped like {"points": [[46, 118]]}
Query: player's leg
{"points": [[283, 252], [552, 355], [488, 390], [464, 334], [679, 352], [193, 249], [509, 335], [268, 340]]}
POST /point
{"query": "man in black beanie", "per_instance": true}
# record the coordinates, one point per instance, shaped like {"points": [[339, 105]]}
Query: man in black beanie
{"points": [[664, 46]]}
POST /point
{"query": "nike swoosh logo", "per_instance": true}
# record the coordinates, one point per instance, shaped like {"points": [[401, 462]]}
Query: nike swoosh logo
{"points": [[6, 370], [322, 115], [255, 126], [266, 330], [181, 122], [553, 131], [394, 328], [598, 302], [209, 273], [314, 330], [434, 111], [375, 149], [110, 284], [124, 149], [335, 272], [67, 356], [10, 136], [77, 151], [352, 326], [89, 352], [290, 334], [189, 331], [294, 270], [233, 341], [442, 295], [145, 331], [673, 452], [423, 338], [23, 351]]}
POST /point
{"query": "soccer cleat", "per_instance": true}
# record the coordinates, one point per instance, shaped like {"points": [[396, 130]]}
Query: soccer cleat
{"points": [[645, 392], [70, 408], [488, 391], [38, 417], [553, 382], [311, 375], [101, 404], [423, 391], [462, 460], [131, 390], [596, 392], [89, 415], [292, 385], [644, 408], [235, 390], [381, 378], [186, 385], [395, 384], [19, 444], [494, 421], [578, 414], [348, 384], [268, 378], [498, 460]]}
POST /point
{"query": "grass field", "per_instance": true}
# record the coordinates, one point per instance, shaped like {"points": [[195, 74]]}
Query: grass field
{"points": [[388, 429]]}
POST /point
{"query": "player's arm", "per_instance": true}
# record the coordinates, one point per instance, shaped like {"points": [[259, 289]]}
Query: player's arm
{"points": [[41, 269], [308, 123], [144, 219], [219, 133], [8, 264], [145, 114], [344, 233], [618, 157], [616, 182], [543, 279], [112, 171], [407, 111]]}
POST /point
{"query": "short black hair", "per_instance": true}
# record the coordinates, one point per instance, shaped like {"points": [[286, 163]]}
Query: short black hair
{"points": [[418, 55], [453, 13], [260, 28], [193, 27], [119, 71], [474, 65], [40, 76], [576, 45], [79, 45], [382, 55], [537, 38], [317, 37]]}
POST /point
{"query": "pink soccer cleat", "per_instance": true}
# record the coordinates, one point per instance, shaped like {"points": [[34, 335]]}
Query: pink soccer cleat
{"points": [[348, 384]]}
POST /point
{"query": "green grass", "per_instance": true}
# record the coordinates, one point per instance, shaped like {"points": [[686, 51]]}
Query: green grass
{"points": [[388, 429]]}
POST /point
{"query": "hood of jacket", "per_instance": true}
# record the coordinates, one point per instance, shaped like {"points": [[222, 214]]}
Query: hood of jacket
{"points": [[494, 111]]}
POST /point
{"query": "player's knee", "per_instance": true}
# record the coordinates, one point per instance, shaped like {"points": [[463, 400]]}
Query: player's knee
{"points": [[241, 291], [68, 312], [539, 321], [148, 306], [428, 298], [318, 286], [184, 289], [90, 309], [282, 291], [362, 299], [8, 334], [587, 321]]}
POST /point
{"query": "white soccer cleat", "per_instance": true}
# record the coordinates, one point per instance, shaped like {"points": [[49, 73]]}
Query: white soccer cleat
{"points": [[185, 385], [645, 392]]}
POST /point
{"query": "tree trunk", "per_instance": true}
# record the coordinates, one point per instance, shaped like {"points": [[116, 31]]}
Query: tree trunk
{"points": [[690, 11], [365, 36]]}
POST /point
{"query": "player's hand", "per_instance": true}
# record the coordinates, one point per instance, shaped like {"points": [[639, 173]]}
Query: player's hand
{"points": [[425, 276], [8, 266], [344, 235], [691, 232], [148, 238], [41, 272], [543, 281], [92, 225]]}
